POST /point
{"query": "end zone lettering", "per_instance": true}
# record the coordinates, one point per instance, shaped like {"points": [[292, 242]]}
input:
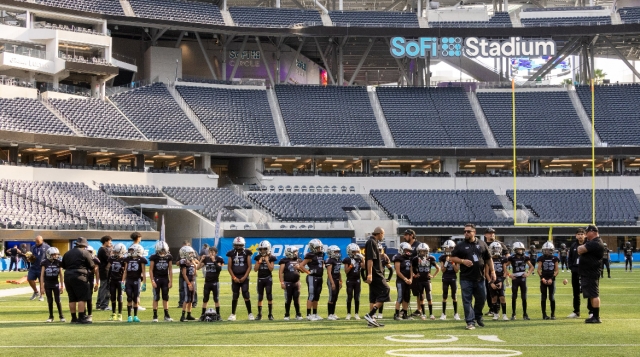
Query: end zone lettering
{"points": [[470, 47]]}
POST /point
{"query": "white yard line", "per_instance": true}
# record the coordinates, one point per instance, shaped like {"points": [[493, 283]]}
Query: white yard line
{"points": [[309, 345]]}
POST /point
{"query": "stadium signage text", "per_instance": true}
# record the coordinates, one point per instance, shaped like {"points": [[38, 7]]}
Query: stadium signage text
{"points": [[470, 47]]}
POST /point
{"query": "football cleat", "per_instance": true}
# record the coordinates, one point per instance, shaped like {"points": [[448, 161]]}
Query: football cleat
{"points": [[371, 320], [470, 326], [130, 319], [356, 317], [348, 317], [299, 317], [513, 317], [271, 317], [191, 318], [49, 319], [423, 317], [504, 317], [397, 317], [526, 317], [62, 319], [232, 317], [311, 317], [34, 296], [259, 317], [286, 318], [496, 317], [136, 319], [168, 319], [431, 317], [331, 318], [251, 317], [456, 317], [318, 317], [443, 317], [140, 308], [183, 319]]}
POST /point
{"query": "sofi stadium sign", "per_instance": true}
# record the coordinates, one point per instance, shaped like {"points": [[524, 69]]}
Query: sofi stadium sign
{"points": [[470, 47]]}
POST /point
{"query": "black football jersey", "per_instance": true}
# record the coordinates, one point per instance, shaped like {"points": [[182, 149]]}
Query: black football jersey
{"points": [[240, 260], [356, 268], [498, 267], [212, 268], [91, 276], [190, 269], [606, 254], [161, 265], [134, 267], [548, 265], [519, 264], [563, 252], [290, 273], [335, 268], [51, 273], [422, 267], [263, 270], [628, 252], [117, 269], [448, 272], [316, 264], [405, 265]]}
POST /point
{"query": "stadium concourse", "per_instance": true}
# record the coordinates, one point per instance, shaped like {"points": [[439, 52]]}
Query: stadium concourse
{"points": [[240, 149]]}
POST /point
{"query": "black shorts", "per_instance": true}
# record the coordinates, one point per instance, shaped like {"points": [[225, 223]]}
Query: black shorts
{"points": [[189, 295], [449, 284], [77, 290], [590, 287], [211, 288], [314, 287], [404, 291], [132, 289], [162, 289], [236, 287], [420, 287], [265, 285], [379, 291]]}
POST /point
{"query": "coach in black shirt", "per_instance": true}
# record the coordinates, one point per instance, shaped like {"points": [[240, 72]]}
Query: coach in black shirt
{"points": [[378, 287], [573, 262], [103, 256], [475, 263], [590, 268], [76, 264]]}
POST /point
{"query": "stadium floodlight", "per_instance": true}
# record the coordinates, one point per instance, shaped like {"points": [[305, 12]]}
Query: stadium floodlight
{"points": [[515, 166]]}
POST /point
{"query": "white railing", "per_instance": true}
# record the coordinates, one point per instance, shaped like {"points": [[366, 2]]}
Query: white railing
{"points": [[281, 129], [45, 101], [191, 114]]}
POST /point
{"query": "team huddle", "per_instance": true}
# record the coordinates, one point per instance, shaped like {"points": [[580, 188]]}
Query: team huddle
{"points": [[414, 266]]}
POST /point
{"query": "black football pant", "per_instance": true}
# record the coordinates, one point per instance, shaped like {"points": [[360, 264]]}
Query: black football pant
{"points": [[628, 261], [53, 294], [577, 290], [291, 292], [13, 265], [550, 291], [115, 292], [519, 283], [563, 263], [606, 263], [353, 293]]}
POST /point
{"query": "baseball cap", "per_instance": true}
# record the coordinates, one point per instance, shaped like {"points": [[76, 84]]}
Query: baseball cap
{"points": [[409, 231], [592, 228], [81, 242], [490, 230]]}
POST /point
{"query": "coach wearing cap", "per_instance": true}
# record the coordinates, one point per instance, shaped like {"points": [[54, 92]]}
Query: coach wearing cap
{"points": [[77, 263], [590, 268]]}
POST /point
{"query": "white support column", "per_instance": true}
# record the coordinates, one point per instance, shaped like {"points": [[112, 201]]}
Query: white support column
{"points": [[341, 5]]}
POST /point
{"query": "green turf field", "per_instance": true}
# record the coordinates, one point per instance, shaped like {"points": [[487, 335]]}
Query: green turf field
{"points": [[23, 331]]}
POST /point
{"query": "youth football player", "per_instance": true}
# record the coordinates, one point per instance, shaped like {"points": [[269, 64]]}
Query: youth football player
{"points": [[606, 261], [313, 266], [264, 266], [402, 262], [134, 270], [212, 264], [334, 279], [239, 267], [353, 268], [548, 270], [115, 270], [188, 265], [51, 281], [522, 268], [421, 268], [563, 252], [289, 274], [449, 279], [161, 278], [496, 288]]}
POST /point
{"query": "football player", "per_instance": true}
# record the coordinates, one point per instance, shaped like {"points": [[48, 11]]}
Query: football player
{"points": [[353, 269], [115, 269], [188, 265], [212, 264], [533, 255], [421, 269], [289, 274], [449, 273], [334, 279], [264, 266], [548, 270], [606, 261], [563, 252], [134, 270], [94, 283], [51, 281], [313, 266], [161, 278], [496, 288], [239, 267], [402, 263], [386, 264], [628, 256], [522, 268]]}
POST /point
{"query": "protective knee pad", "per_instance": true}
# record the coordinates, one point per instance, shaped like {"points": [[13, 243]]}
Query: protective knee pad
{"points": [[246, 295]]}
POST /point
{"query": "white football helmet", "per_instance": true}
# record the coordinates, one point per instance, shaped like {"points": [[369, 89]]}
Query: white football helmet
{"points": [[118, 251], [334, 252], [496, 249], [187, 253], [264, 248], [448, 246], [315, 246], [548, 248], [91, 250], [518, 247], [136, 250], [291, 252], [423, 249], [381, 247], [405, 248], [353, 250], [52, 253], [162, 248], [238, 243]]}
